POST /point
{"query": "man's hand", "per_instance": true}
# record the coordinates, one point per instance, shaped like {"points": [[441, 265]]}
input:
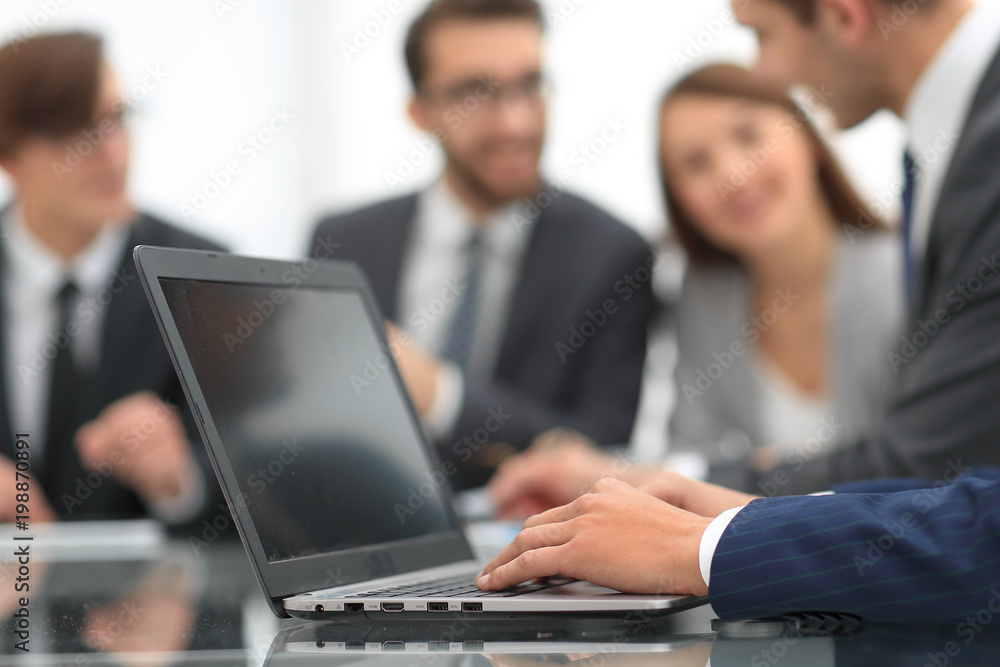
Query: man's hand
{"points": [[615, 536], [699, 498], [142, 440], [559, 467], [418, 367], [38, 506]]}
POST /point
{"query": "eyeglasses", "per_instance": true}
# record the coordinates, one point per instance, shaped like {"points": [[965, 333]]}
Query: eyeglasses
{"points": [[485, 93]]}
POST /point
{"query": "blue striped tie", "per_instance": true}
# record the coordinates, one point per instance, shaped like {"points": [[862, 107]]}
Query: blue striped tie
{"points": [[909, 269], [462, 330]]}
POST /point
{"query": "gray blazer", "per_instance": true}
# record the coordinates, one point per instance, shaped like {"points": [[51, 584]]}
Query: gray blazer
{"points": [[721, 417]]}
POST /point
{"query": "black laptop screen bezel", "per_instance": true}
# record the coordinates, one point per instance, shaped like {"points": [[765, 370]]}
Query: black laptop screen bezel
{"points": [[294, 576]]}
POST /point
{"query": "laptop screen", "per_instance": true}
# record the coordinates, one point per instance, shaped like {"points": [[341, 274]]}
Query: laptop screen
{"points": [[313, 422]]}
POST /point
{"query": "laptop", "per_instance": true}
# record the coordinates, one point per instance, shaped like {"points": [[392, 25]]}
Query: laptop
{"points": [[341, 503]]}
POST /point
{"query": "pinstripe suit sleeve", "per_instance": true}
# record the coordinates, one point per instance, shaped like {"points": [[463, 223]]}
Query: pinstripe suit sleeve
{"points": [[929, 555]]}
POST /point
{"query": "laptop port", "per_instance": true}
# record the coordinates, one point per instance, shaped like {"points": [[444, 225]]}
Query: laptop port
{"points": [[439, 647], [392, 606], [437, 606], [472, 606], [393, 646], [474, 646], [354, 606], [355, 646], [319, 609]]}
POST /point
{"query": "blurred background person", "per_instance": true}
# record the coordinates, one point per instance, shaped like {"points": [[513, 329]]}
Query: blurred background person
{"points": [[85, 373], [520, 307], [793, 296], [791, 300]]}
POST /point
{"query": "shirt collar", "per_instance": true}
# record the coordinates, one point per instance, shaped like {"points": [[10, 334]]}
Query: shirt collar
{"points": [[505, 230], [943, 96], [36, 267]]}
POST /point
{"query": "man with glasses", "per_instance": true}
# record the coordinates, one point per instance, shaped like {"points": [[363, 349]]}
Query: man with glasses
{"points": [[87, 390], [518, 307]]}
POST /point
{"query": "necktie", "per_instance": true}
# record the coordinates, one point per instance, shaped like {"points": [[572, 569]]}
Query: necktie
{"points": [[461, 332], [64, 379], [909, 270]]}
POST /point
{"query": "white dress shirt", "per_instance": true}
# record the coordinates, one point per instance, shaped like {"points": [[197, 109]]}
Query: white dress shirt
{"points": [[34, 275], [935, 114], [937, 109], [433, 270]]}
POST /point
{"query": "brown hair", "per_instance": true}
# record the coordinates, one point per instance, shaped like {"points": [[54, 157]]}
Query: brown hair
{"points": [[48, 86], [805, 10], [442, 11], [731, 81]]}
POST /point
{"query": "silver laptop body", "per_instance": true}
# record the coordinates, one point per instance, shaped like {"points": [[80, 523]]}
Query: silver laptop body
{"points": [[337, 495]]}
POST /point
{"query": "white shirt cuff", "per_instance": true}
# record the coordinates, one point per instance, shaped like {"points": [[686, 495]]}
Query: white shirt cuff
{"points": [[710, 540], [442, 416], [188, 501]]}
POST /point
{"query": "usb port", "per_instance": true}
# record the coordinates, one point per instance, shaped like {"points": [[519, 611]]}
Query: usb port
{"points": [[437, 606], [439, 647], [472, 606], [392, 606], [354, 606]]}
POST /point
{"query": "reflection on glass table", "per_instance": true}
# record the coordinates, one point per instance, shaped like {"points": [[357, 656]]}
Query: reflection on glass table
{"points": [[124, 594]]}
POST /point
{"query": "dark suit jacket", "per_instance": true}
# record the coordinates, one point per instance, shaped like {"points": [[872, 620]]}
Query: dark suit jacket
{"points": [[923, 555], [944, 407], [577, 258], [133, 358]]}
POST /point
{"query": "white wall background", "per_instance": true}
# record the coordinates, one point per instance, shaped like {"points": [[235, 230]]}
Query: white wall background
{"points": [[227, 66]]}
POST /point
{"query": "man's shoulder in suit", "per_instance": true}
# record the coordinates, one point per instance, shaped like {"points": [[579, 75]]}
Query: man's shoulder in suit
{"points": [[149, 229], [589, 223], [373, 218]]}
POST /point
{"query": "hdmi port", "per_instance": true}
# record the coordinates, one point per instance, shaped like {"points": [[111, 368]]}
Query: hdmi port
{"points": [[437, 606], [392, 606]]}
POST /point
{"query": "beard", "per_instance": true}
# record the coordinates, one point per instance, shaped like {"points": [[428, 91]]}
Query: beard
{"points": [[492, 195]]}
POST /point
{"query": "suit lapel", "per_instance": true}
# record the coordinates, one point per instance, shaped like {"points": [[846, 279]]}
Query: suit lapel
{"points": [[120, 326], [529, 297], [386, 252], [952, 197]]}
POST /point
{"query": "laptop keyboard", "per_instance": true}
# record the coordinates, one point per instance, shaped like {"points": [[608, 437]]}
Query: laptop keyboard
{"points": [[462, 586]]}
